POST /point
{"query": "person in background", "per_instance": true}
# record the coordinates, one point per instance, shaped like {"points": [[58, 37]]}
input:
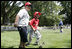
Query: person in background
{"points": [[61, 26]]}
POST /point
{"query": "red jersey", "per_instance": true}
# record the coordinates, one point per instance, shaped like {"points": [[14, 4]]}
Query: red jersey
{"points": [[34, 22]]}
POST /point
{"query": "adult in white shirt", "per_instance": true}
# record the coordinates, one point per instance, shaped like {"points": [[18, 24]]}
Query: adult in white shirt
{"points": [[21, 22]]}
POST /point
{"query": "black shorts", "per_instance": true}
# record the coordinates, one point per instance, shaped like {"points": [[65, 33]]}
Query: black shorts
{"points": [[23, 34]]}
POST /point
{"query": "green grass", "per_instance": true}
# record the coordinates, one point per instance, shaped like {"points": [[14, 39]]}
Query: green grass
{"points": [[52, 39]]}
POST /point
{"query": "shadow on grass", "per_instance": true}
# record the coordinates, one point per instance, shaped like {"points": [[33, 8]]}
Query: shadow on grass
{"points": [[7, 47], [32, 46]]}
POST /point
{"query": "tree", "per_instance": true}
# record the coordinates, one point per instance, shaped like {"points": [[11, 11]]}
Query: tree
{"points": [[49, 10], [9, 10], [66, 10]]}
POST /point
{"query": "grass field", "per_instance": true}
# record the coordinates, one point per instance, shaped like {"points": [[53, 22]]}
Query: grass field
{"points": [[52, 39]]}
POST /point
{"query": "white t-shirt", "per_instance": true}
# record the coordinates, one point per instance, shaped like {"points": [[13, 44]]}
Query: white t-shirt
{"points": [[23, 17]]}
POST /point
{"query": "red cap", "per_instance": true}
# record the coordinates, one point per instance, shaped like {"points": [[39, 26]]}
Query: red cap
{"points": [[28, 3], [37, 13]]}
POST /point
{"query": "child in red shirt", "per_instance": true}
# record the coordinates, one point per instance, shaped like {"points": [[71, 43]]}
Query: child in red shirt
{"points": [[34, 23], [34, 26]]}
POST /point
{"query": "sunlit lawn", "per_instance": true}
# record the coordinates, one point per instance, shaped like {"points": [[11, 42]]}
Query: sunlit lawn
{"points": [[51, 38]]}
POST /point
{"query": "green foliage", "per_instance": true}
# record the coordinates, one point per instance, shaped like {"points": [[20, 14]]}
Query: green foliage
{"points": [[66, 10], [51, 12], [8, 12]]}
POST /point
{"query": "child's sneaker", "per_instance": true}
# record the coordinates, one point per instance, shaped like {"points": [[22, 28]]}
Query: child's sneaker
{"points": [[27, 44], [36, 43]]}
